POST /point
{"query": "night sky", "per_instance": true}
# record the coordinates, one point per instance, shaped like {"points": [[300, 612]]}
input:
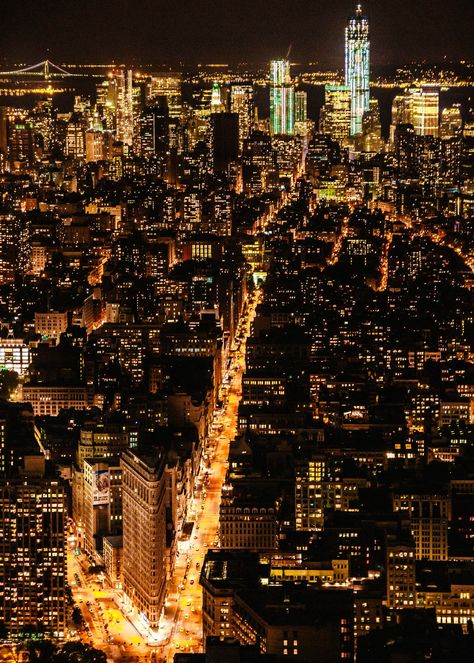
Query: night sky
{"points": [[221, 31]]}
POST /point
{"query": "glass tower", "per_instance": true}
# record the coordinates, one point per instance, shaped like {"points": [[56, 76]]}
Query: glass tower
{"points": [[282, 99], [357, 67], [425, 110]]}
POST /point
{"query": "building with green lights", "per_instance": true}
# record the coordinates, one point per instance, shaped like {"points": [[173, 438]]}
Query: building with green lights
{"points": [[282, 99], [357, 67]]}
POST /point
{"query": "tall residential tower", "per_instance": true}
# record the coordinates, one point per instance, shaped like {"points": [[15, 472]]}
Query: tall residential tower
{"points": [[357, 67]]}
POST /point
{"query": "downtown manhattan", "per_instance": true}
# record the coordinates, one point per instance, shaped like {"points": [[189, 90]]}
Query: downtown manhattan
{"points": [[236, 360]]}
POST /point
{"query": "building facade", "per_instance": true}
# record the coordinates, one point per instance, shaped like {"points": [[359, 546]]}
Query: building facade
{"points": [[357, 67], [144, 534]]}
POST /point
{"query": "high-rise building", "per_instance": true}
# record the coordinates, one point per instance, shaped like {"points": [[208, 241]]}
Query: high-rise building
{"points": [[76, 137], [401, 114], [451, 122], [216, 100], [144, 533], [15, 247], [154, 129], [224, 140], [258, 161], [20, 141], [425, 110], [242, 102], [336, 113], [357, 67], [301, 106], [94, 145], [33, 551], [405, 148], [124, 109], [282, 98], [372, 128], [301, 113], [451, 126], [167, 85]]}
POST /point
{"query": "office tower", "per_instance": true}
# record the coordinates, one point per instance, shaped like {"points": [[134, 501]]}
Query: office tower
{"points": [[155, 129], [3, 131], [372, 128], [222, 209], [94, 145], [282, 98], [301, 106], [42, 116], [401, 109], [357, 67], [20, 141], [216, 100], [258, 162], [224, 140], [15, 247], [8, 252], [425, 110], [301, 113], [106, 98], [75, 138], [124, 108], [451, 145], [451, 122], [33, 551], [428, 163], [167, 85], [401, 114], [336, 113], [242, 102], [405, 147], [144, 533]]}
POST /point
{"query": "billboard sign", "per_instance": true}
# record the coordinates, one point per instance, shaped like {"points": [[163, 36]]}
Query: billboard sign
{"points": [[101, 487]]}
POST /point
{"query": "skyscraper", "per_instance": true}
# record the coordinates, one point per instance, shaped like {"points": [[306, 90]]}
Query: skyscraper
{"points": [[336, 113], [282, 98], [124, 110], [33, 551], [357, 67], [154, 129], [167, 84], [224, 140], [301, 113], [216, 100], [451, 122], [425, 110], [242, 102], [301, 106], [144, 534]]}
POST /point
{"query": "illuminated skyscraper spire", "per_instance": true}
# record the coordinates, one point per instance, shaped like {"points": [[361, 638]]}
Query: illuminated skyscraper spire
{"points": [[357, 67], [216, 101]]}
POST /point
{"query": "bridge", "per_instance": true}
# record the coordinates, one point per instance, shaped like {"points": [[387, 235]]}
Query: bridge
{"points": [[45, 69]]}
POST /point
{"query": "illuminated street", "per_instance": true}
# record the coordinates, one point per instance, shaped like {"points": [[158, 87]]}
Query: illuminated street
{"points": [[120, 633]]}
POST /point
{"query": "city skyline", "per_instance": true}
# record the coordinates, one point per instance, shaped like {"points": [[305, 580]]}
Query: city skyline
{"points": [[145, 32], [236, 324]]}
